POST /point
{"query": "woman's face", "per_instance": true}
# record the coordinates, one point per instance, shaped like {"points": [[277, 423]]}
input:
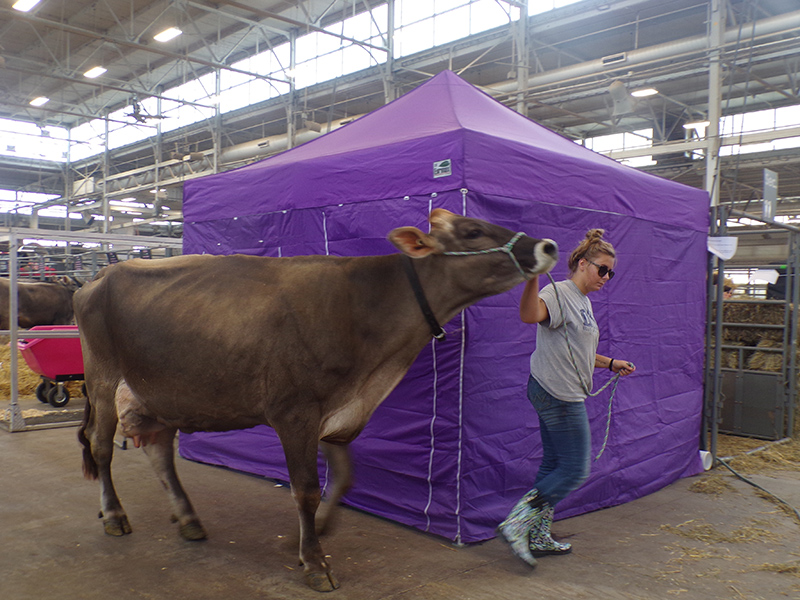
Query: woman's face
{"points": [[591, 269]]}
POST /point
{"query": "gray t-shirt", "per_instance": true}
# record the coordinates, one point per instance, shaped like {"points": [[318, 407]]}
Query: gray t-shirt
{"points": [[550, 362]]}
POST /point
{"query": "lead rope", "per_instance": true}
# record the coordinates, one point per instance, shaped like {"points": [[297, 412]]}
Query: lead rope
{"points": [[587, 391]]}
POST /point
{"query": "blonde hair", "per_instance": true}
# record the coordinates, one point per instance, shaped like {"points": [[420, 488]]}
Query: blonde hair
{"points": [[592, 245]]}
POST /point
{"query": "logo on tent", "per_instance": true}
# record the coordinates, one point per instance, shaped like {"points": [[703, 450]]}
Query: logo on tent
{"points": [[441, 168]]}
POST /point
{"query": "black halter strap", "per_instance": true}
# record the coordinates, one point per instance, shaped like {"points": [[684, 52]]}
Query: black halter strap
{"points": [[413, 279]]}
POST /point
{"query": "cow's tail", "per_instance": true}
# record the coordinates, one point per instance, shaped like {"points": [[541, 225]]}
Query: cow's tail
{"points": [[89, 465]]}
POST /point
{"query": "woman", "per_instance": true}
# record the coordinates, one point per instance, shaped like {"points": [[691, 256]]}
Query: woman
{"points": [[560, 380]]}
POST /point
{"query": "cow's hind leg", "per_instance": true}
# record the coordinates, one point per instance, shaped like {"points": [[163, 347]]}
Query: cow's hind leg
{"points": [[341, 480], [160, 450], [300, 449], [97, 436]]}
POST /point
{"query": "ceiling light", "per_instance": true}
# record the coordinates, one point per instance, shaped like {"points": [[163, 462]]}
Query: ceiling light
{"points": [[696, 125], [41, 100], [94, 72], [643, 93], [167, 35], [25, 5]]}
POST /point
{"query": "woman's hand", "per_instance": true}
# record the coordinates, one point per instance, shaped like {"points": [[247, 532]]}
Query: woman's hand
{"points": [[623, 367]]}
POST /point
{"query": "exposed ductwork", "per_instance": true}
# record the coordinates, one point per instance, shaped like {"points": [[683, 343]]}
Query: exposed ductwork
{"points": [[178, 170], [770, 26]]}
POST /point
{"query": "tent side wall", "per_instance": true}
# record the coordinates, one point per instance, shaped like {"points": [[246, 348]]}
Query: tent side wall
{"points": [[405, 460], [652, 313], [449, 452]]}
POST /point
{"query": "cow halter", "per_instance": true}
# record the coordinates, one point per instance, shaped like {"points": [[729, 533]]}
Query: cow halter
{"points": [[408, 263], [413, 279], [508, 248]]}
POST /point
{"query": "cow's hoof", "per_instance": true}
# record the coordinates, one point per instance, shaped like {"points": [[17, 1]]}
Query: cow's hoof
{"points": [[117, 526], [322, 582], [193, 531]]}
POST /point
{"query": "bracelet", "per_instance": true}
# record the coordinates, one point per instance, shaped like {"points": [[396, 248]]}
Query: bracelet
{"points": [[611, 365]]}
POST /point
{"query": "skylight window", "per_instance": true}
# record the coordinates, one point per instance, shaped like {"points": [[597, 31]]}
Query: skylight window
{"points": [[168, 34], [94, 72], [25, 5]]}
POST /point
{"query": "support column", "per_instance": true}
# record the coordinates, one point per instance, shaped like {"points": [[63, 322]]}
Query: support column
{"points": [[290, 100], [716, 35], [16, 422], [523, 63], [389, 90], [217, 127], [106, 172]]}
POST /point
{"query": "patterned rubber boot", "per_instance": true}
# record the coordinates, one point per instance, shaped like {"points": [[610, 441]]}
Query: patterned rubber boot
{"points": [[515, 530], [541, 542]]}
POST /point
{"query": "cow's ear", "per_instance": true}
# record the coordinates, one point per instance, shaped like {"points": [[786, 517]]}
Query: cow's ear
{"points": [[442, 219], [414, 243]]}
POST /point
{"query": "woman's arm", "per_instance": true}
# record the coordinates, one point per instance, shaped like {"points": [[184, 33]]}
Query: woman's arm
{"points": [[617, 365], [532, 309]]}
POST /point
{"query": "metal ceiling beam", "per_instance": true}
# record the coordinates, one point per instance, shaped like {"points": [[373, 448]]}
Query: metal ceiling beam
{"points": [[128, 44], [266, 14], [759, 137], [782, 24]]}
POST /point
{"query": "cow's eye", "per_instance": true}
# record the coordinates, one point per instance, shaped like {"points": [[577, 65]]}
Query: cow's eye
{"points": [[473, 234]]}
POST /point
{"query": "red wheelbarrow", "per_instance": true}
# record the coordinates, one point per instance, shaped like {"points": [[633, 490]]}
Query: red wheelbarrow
{"points": [[56, 360]]}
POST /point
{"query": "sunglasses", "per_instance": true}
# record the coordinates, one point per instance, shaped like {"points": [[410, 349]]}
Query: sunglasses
{"points": [[602, 270]]}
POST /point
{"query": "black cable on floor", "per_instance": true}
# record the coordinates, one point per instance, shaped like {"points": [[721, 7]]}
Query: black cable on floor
{"points": [[754, 484]]}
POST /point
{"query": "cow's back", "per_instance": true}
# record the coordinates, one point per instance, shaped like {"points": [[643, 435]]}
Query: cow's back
{"points": [[38, 303], [193, 331]]}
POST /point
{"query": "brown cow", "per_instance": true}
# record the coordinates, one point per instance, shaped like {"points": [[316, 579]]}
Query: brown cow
{"points": [[40, 303], [309, 345]]}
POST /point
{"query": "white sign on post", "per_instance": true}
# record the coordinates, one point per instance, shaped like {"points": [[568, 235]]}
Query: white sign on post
{"points": [[770, 195], [724, 247]]}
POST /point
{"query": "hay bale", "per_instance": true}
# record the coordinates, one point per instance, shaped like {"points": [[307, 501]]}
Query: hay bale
{"points": [[27, 380], [753, 312], [729, 358], [757, 313], [766, 361]]}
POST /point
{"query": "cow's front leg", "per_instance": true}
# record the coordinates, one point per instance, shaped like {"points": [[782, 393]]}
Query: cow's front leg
{"points": [[301, 460], [159, 449]]}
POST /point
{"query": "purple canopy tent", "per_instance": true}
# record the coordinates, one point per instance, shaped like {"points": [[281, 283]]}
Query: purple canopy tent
{"points": [[455, 444]]}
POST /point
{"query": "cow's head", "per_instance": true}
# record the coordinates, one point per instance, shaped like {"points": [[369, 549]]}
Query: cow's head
{"points": [[457, 236], [73, 284]]}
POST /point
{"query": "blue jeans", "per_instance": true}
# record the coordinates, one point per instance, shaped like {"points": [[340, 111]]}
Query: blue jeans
{"points": [[566, 442]]}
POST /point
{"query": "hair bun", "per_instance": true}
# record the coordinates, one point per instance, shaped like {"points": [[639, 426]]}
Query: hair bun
{"points": [[595, 234]]}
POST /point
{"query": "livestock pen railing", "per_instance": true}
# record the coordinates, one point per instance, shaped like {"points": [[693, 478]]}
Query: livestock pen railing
{"points": [[742, 397], [14, 236]]}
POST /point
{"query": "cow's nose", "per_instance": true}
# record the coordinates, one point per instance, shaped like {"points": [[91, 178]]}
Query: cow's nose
{"points": [[549, 247]]}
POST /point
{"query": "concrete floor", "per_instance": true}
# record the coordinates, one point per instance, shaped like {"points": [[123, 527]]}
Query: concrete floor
{"points": [[675, 543]]}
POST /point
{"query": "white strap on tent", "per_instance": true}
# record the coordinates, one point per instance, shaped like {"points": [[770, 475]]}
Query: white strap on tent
{"points": [[461, 360], [460, 423], [325, 232], [433, 438]]}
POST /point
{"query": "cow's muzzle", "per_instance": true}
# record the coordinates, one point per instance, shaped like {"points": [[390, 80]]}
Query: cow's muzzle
{"points": [[545, 253]]}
